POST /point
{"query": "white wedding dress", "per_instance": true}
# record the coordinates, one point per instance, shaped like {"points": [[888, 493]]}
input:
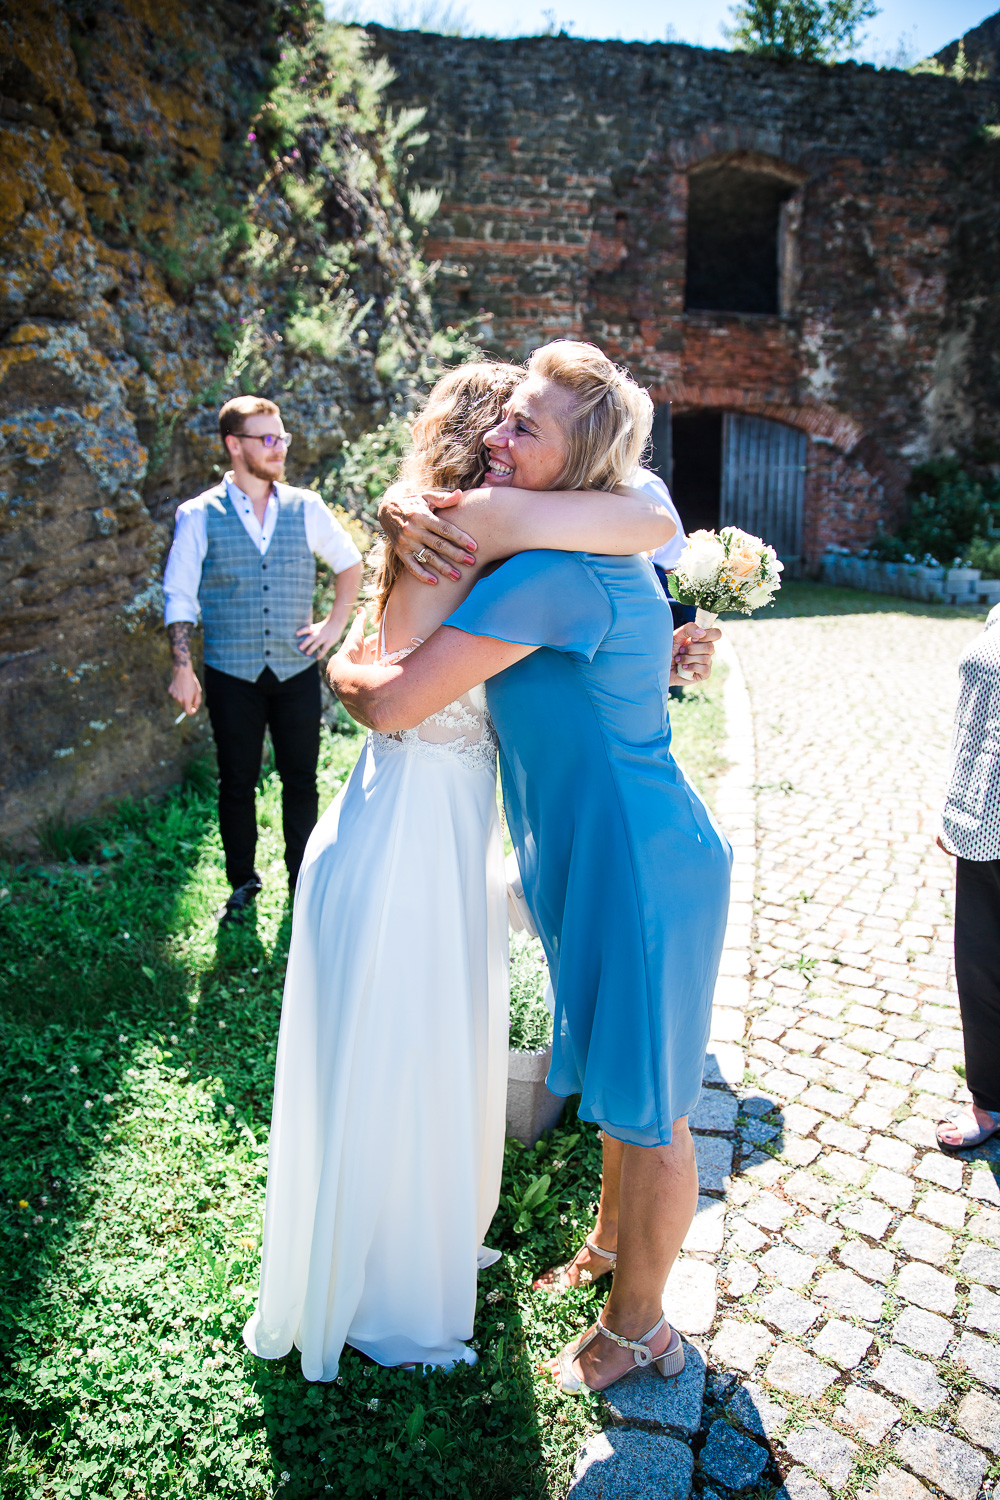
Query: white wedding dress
{"points": [[390, 1091]]}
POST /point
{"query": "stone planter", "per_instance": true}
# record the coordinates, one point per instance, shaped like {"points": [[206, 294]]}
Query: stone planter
{"points": [[989, 591], [890, 578], [961, 585], [531, 1108], [930, 582]]}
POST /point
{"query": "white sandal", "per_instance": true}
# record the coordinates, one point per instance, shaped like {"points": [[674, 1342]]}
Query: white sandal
{"points": [[669, 1364], [560, 1274]]}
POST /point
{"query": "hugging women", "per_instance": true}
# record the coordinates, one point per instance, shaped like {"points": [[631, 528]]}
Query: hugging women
{"points": [[388, 1122]]}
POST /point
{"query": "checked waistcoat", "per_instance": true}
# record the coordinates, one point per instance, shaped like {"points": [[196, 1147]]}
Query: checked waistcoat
{"points": [[252, 605]]}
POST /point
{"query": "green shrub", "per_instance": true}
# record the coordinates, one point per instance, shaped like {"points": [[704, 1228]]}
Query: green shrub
{"points": [[984, 554], [950, 510], [530, 1022]]}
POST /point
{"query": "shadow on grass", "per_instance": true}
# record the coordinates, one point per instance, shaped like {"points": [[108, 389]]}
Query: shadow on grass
{"points": [[101, 963]]}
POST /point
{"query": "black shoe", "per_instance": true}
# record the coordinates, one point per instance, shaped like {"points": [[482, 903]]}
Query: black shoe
{"points": [[240, 901]]}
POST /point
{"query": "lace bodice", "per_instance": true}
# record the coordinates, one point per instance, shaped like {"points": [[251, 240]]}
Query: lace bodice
{"points": [[462, 730]]}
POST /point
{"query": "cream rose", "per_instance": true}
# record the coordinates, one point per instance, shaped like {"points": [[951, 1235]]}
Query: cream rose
{"points": [[761, 593], [743, 563]]}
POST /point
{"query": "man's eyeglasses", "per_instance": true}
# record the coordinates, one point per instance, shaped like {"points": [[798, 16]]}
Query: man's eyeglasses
{"points": [[269, 439]]}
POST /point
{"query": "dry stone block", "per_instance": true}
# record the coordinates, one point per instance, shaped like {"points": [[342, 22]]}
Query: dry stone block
{"points": [[797, 1373], [954, 1466], [799, 1152], [873, 1265], [926, 1287], [812, 1235], [924, 1332], [979, 1416], [896, 1484], [824, 1451], [869, 1415], [850, 1295], [768, 1211], [724, 1064], [797, 1118], [707, 1228], [621, 1463], [788, 1312], [884, 1151], [923, 1241], [745, 1236], [845, 1168], [689, 1296], [799, 1486], [826, 1101], [979, 1263], [869, 1219], [788, 1266], [845, 1344], [984, 1311], [891, 1187], [742, 1278], [942, 1208], [647, 1398], [984, 1186], [731, 1458], [981, 1357], [913, 1379], [804, 1188], [740, 1346], [842, 1137], [986, 1226], [944, 1170]]}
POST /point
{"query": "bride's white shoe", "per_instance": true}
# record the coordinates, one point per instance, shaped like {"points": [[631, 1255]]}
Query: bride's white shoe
{"points": [[669, 1364]]}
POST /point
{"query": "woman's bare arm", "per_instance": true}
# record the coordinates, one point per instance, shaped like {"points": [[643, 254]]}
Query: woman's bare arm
{"points": [[402, 695], [500, 521]]}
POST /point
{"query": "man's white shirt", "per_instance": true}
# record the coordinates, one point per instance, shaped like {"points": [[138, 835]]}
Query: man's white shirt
{"points": [[649, 483], [325, 537]]}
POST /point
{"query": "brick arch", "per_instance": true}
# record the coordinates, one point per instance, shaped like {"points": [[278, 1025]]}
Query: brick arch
{"points": [[817, 420], [741, 145]]}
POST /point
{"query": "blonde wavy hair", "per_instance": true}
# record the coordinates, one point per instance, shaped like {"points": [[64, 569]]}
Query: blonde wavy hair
{"points": [[448, 452], [609, 428]]}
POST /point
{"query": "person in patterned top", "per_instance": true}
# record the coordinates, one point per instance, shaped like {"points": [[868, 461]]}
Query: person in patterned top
{"points": [[970, 831]]}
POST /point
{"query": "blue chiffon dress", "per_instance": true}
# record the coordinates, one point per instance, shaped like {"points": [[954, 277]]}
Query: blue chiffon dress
{"points": [[624, 871]]}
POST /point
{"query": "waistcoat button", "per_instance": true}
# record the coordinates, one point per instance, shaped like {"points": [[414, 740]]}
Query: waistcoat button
{"points": [[267, 632]]}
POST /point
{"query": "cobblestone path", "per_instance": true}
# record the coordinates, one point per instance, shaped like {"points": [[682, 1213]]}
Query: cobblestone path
{"points": [[839, 1285]]}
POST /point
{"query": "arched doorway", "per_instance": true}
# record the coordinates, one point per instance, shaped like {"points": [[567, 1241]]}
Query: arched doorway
{"points": [[727, 469]]}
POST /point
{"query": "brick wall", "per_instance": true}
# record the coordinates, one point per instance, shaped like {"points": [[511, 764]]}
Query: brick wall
{"points": [[564, 172]]}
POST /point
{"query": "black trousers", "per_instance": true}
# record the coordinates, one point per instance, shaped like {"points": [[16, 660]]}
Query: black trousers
{"points": [[240, 712], [977, 968]]}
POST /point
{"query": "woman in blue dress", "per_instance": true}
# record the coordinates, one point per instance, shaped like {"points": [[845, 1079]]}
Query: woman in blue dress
{"points": [[625, 873]]}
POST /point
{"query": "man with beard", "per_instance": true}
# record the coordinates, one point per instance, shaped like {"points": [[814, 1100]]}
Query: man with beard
{"points": [[243, 555]]}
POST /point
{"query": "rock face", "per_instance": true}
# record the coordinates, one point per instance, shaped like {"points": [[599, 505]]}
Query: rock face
{"points": [[591, 189], [194, 200]]}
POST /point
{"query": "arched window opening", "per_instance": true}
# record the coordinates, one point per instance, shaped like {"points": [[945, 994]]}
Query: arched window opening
{"points": [[738, 224]]}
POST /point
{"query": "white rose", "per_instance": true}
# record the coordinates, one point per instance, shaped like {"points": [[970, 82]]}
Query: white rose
{"points": [[761, 593], [702, 558]]}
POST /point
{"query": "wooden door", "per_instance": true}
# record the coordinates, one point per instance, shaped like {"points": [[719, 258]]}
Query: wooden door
{"points": [[763, 480]]}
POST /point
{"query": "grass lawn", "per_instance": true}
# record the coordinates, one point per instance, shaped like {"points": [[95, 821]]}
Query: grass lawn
{"points": [[136, 1071]]}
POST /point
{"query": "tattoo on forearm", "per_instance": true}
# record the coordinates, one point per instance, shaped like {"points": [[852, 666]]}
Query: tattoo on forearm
{"points": [[180, 642]]}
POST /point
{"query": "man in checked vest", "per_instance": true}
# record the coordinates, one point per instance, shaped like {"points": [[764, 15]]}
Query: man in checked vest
{"points": [[243, 556]]}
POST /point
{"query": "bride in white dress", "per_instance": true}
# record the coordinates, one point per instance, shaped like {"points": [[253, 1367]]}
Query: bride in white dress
{"points": [[389, 1105]]}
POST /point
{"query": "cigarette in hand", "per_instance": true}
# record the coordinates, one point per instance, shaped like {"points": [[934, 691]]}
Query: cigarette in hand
{"points": [[181, 716]]}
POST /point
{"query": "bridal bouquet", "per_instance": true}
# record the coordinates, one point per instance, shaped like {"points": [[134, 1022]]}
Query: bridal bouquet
{"points": [[725, 570]]}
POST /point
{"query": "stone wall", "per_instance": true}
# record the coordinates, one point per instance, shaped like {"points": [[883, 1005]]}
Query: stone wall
{"points": [[151, 252], [565, 166]]}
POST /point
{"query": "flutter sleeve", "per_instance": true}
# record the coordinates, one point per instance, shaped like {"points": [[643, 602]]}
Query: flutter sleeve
{"points": [[539, 599]]}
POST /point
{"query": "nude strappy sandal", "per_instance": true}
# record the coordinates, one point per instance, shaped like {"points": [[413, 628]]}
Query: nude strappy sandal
{"points": [[669, 1364], [560, 1274]]}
